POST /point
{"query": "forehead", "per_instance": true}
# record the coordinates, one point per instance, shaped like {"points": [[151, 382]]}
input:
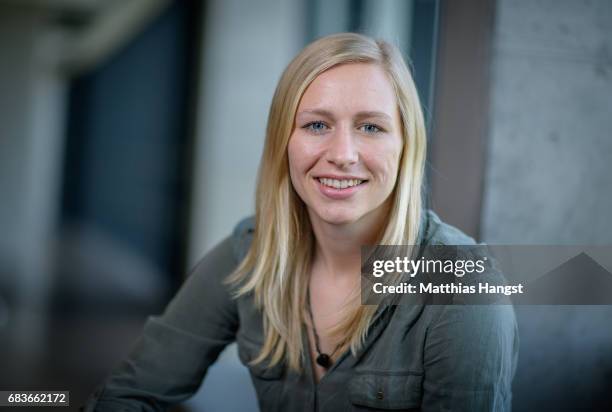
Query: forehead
{"points": [[355, 86]]}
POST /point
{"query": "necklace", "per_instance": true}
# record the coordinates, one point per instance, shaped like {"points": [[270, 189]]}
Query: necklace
{"points": [[323, 359]]}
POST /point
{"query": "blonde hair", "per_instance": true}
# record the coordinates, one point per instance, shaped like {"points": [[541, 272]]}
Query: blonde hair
{"points": [[276, 268]]}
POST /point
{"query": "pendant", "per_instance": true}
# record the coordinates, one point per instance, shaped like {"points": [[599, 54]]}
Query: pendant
{"points": [[324, 360]]}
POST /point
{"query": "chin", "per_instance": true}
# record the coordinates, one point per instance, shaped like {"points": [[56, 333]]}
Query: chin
{"points": [[339, 217]]}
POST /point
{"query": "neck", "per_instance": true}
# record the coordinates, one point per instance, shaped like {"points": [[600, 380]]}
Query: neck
{"points": [[338, 246]]}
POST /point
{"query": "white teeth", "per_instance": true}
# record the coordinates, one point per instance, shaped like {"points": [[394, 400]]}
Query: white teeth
{"points": [[340, 184]]}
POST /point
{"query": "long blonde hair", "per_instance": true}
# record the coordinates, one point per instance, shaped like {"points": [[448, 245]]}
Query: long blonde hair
{"points": [[276, 268]]}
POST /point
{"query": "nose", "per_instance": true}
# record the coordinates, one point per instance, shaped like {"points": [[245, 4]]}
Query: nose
{"points": [[342, 149]]}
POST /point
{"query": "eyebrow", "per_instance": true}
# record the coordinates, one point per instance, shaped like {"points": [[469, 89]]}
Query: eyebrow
{"points": [[360, 115], [369, 114]]}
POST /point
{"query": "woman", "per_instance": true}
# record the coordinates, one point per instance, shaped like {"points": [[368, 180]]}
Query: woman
{"points": [[342, 167]]}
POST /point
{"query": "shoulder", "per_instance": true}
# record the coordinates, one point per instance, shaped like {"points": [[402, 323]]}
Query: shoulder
{"points": [[437, 232], [242, 236], [434, 230], [470, 358], [484, 326], [464, 338], [222, 259]]}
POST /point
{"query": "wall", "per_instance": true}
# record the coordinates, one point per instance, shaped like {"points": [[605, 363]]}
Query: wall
{"points": [[548, 173], [242, 60], [240, 74], [549, 182], [31, 144]]}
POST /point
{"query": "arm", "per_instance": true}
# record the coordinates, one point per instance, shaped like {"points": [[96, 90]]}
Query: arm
{"points": [[470, 359], [170, 359]]}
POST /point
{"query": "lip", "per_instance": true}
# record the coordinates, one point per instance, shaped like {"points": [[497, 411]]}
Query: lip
{"points": [[338, 194], [338, 177]]}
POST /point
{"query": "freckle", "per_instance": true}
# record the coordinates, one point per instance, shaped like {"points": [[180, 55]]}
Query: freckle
{"points": [[564, 28], [554, 136], [600, 70]]}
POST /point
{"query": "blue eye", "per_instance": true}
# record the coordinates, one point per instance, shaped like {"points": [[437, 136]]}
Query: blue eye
{"points": [[315, 127], [371, 128]]}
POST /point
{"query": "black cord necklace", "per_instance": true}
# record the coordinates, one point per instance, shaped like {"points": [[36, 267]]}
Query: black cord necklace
{"points": [[323, 359]]}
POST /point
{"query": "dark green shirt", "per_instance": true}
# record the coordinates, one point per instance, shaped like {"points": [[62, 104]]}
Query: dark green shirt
{"points": [[415, 357]]}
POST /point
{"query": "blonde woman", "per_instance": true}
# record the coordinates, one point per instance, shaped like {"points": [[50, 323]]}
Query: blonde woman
{"points": [[342, 167]]}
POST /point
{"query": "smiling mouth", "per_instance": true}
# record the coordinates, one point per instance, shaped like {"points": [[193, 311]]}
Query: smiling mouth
{"points": [[340, 183]]}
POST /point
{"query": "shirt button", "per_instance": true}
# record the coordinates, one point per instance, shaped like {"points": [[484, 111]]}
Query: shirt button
{"points": [[380, 395]]}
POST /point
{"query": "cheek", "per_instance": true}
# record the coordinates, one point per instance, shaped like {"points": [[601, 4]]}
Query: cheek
{"points": [[394, 155], [298, 163], [294, 162], [384, 162], [395, 163], [302, 155]]}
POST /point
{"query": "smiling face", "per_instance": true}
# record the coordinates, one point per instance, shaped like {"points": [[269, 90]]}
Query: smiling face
{"points": [[346, 144]]}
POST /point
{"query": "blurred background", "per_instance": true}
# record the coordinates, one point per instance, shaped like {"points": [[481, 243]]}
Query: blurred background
{"points": [[131, 131]]}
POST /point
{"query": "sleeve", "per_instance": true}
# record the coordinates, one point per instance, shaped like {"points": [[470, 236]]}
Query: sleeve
{"points": [[170, 359], [470, 359]]}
